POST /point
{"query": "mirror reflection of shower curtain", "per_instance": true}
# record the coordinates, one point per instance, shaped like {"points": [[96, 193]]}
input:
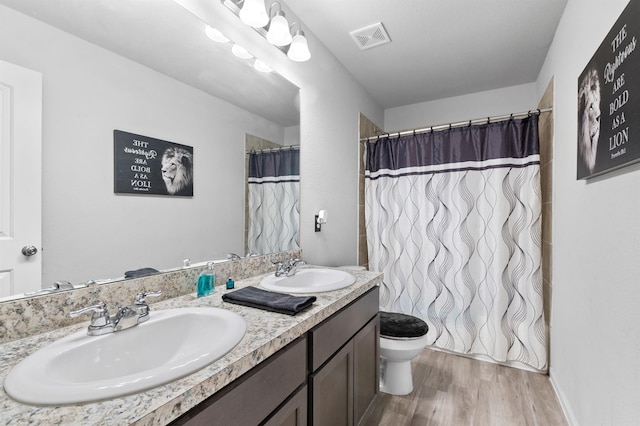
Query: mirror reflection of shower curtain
{"points": [[274, 209], [453, 220]]}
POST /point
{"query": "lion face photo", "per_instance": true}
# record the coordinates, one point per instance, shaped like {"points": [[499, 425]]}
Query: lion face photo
{"points": [[177, 169], [589, 118]]}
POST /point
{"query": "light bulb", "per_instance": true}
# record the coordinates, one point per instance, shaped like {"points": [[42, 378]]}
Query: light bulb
{"points": [[241, 52], [299, 49], [262, 66], [278, 33], [254, 13], [215, 35]]}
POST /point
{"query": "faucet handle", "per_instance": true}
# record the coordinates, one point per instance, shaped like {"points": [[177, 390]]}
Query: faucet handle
{"points": [[140, 297], [141, 306], [100, 318], [99, 309], [280, 268]]}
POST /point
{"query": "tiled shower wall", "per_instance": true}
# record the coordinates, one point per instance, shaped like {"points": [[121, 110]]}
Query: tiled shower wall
{"points": [[545, 126], [367, 129]]}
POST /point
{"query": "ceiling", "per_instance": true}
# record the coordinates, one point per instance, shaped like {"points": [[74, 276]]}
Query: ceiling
{"points": [[439, 48]]}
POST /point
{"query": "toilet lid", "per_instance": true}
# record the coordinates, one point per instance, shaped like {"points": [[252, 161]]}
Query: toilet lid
{"points": [[401, 326]]}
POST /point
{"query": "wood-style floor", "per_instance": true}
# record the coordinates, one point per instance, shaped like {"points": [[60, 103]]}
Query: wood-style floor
{"points": [[451, 390]]}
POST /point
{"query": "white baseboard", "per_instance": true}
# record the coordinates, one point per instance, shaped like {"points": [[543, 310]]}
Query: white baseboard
{"points": [[564, 406]]}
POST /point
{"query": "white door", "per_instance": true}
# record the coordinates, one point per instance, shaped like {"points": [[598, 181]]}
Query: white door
{"points": [[20, 179]]}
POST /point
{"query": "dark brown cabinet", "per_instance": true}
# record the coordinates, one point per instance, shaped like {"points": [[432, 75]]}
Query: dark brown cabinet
{"points": [[344, 361], [329, 376], [366, 366], [256, 395], [293, 412], [332, 390]]}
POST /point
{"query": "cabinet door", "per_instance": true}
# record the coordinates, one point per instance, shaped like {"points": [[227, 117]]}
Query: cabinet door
{"points": [[332, 390], [293, 413], [366, 359]]}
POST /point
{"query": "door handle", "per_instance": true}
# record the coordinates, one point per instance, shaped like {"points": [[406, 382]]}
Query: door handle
{"points": [[29, 250]]}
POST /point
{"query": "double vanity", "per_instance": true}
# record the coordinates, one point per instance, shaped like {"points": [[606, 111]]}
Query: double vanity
{"points": [[320, 365]]}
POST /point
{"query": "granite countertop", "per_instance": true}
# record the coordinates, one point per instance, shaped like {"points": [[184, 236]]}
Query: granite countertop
{"points": [[267, 333]]}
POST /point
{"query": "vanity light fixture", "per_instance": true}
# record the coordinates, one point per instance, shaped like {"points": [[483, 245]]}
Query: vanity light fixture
{"points": [[299, 49], [241, 52], [254, 13], [237, 51], [273, 26], [215, 35], [320, 218], [278, 34]]}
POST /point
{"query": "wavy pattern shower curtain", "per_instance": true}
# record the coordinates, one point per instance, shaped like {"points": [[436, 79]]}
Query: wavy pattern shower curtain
{"points": [[453, 219], [274, 211]]}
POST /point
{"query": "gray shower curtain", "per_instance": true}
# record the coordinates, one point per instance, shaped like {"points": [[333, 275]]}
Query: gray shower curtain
{"points": [[453, 219], [274, 210]]}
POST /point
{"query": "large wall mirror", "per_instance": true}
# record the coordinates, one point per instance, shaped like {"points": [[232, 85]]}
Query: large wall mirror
{"points": [[145, 68]]}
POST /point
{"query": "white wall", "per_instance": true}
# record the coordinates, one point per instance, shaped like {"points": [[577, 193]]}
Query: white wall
{"points": [[89, 232], [460, 108], [595, 338], [331, 101], [292, 135]]}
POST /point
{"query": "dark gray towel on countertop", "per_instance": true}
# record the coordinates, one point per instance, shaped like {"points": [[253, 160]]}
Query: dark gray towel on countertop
{"points": [[143, 272], [269, 301]]}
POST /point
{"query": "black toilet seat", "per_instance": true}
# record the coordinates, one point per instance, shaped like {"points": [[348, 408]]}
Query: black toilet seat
{"points": [[394, 325]]}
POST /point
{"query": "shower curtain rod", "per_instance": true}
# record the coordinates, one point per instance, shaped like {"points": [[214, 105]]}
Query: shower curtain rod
{"points": [[486, 120], [282, 148]]}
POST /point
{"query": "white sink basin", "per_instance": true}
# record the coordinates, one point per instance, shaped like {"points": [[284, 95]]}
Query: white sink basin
{"points": [[311, 280], [80, 368]]}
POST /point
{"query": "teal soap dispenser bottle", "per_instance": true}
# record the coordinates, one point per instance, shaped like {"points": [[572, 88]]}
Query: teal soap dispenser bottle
{"points": [[207, 281]]}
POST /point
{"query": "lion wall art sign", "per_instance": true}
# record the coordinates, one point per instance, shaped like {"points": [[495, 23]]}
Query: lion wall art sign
{"points": [[609, 100], [145, 165]]}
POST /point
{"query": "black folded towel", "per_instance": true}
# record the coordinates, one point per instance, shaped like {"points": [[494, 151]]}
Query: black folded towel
{"points": [[269, 301], [143, 272]]}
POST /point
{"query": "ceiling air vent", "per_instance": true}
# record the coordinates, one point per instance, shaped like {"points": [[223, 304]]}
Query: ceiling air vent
{"points": [[371, 36]]}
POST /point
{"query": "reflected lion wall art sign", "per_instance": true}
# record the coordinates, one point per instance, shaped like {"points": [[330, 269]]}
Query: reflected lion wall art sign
{"points": [[149, 166], [609, 100]]}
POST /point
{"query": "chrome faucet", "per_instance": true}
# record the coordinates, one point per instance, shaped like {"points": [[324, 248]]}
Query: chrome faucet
{"points": [[126, 317], [61, 285], [233, 256], [289, 269]]}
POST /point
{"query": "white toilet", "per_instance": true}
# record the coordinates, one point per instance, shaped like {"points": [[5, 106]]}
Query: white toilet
{"points": [[402, 338]]}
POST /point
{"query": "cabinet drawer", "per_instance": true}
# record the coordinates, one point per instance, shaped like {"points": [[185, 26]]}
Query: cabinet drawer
{"points": [[329, 336]]}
